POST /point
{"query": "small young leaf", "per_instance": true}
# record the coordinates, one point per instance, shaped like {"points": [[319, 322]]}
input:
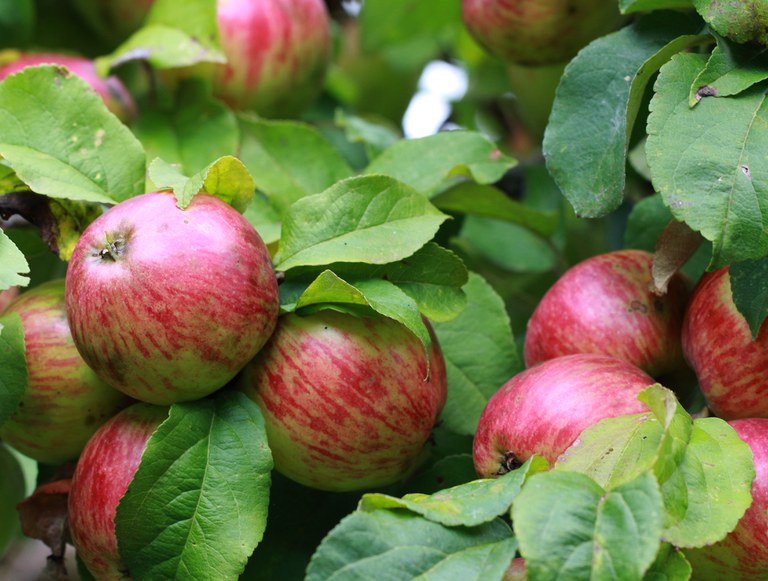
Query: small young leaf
{"points": [[370, 219], [197, 505], [707, 162], [586, 140], [226, 178], [429, 162], [470, 504], [406, 546], [750, 293], [630, 6], [61, 140], [14, 378], [670, 565], [13, 264], [480, 355], [718, 471], [571, 528], [289, 159]]}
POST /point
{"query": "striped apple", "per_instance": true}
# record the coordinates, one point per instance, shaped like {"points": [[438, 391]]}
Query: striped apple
{"points": [[717, 342], [111, 89], [543, 409], [604, 305], [165, 304], [347, 400], [102, 475], [540, 32], [743, 554], [65, 401], [7, 296], [277, 53]]}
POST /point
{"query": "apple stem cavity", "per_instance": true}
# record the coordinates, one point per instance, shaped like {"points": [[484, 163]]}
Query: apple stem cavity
{"points": [[509, 462], [113, 249]]}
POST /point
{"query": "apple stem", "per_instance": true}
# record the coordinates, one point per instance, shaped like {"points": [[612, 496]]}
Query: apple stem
{"points": [[113, 248]]}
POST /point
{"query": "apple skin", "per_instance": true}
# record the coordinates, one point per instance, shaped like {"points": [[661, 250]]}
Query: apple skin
{"points": [[543, 409], [65, 401], [717, 342], [277, 53], [603, 305], [743, 554], [111, 89], [188, 299], [538, 32], [346, 399], [102, 475], [7, 296]]}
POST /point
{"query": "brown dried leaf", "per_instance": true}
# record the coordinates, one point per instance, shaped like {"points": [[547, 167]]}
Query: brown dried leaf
{"points": [[673, 249]]}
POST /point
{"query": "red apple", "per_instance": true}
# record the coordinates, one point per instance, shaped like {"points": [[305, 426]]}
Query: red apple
{"points": [[718, 344], [543, 409], [7, 295], [166, 304], [102, 475], [65, 401], [116, 97], [347, 400], [277, 54], [743, 554], [604, 305], [538, 32]]}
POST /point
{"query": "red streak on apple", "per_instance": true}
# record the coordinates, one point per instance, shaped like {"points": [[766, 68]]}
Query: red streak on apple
{"points": [[543, 409], [102, 475], [604, 305], [167, 304], [346, 399], [111, 89], [730, 365], [65, 401], [743, 554]]}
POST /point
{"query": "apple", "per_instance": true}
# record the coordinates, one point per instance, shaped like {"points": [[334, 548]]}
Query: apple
{"points": [[743, 554], [114, 20], [741, 22], [111, 89], [543, 409], [540, 32], [717, 342], [7, 296], [65, 401], [102, 475], [165, 304], [348, 401], [277, 54], [604, 305]]}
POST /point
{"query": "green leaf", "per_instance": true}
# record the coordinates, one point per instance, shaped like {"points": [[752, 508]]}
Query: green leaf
{"points": [[670, 565], [60, 139], [406, 546], [197, 505], [571, 528], [428, 163], [707, 162], [289, 159], [470, 504], [586, 140], [195, 17], [718, 471], [370, 219], [376, 136], [432, 276], [163, 47], [482, 200], [69, 220], [14, 264], [198, 130], [750, 293], [480, 355], [630, 6], [13, 362], [226, 178], [741, 22], [730, 70], [264, 217]]}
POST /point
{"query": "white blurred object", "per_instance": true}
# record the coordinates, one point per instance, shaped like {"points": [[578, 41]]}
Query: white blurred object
{"points": [[440, 83]]}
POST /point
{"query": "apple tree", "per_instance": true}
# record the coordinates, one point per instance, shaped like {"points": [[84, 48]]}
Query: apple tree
{"points": [[301, 274]]}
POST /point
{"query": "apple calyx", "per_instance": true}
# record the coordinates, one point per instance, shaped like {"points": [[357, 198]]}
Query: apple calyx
{"points": [[113, 249], [508, 463]]}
